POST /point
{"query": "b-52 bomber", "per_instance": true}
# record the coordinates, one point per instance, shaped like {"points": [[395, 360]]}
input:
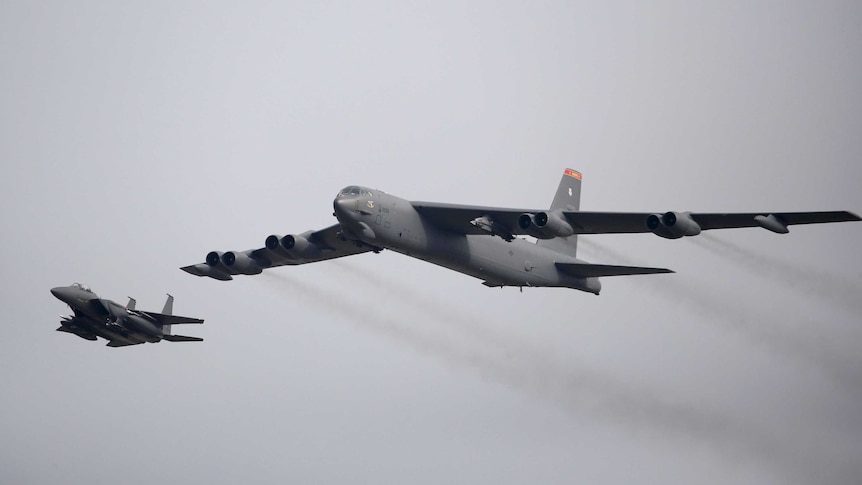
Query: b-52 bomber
{"points": [[481, 241], [120, 325]]}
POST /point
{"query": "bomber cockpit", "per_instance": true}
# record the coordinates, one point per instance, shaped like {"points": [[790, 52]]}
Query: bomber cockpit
{"points": [[354, 191]]}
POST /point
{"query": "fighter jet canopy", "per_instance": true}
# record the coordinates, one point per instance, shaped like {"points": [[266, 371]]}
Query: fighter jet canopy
{"points": [[82, 287]]}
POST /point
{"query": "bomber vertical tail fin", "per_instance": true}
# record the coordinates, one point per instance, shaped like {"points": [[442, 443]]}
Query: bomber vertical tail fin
{"points": [[567, 198]]}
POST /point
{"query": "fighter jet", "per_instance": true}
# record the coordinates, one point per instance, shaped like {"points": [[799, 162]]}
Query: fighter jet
{"points": [[119, 325], [483, 242]]}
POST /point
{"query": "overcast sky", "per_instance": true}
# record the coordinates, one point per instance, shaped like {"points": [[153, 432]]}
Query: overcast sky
{"points": [[137, 136]]}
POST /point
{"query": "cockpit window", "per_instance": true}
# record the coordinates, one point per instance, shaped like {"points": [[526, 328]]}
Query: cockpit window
{"points": [[353, 191], [82, 287]]}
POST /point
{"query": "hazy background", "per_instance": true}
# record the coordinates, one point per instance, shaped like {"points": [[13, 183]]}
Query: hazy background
{"points": [[136, 137]]}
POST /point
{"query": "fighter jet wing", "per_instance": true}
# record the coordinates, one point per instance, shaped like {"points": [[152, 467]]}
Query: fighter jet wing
{"points": [[308, 247], [469, 219], [120, 343]]}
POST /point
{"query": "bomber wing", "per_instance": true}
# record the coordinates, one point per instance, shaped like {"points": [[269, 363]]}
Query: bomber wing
{"points": [[459, 218], [308, 247], [623, 222], [505, 222]]}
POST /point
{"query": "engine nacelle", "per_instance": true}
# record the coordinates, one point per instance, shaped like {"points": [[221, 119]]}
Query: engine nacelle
{"points": [[299, 246], [214, 258], [553, 223], [240, 263], [527, 222], [672, 225], [273, 243]]}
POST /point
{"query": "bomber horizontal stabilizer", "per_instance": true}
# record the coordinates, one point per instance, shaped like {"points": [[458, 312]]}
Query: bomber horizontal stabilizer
{"points": [[588, 270], [181, 338]]}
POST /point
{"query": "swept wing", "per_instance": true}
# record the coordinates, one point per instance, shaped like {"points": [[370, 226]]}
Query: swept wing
{"points": [[308, 247], [461, 219]]}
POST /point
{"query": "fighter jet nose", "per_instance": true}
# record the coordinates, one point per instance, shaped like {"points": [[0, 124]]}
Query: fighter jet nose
{"points": [[62, 292]]}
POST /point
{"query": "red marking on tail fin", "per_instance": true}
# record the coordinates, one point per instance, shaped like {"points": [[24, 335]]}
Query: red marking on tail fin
{"points": [[573, 173]]}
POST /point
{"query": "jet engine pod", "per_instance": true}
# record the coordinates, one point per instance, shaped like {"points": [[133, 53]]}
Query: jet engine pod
{"points": [[680, 223], [273, 242], [527, 222], [240, 263], [672, 225], [544, 225], [214, 258], [299, 246], [553, 223]]}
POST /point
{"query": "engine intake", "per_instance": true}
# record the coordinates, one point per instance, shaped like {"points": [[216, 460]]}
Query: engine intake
{"points": [[273, 242], [214, 258], [527, 222]]}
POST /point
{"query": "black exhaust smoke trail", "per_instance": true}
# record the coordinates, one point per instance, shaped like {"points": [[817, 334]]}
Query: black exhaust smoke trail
{"points": [[751, 323], [578, 393], [794, 275], [481, 332]]}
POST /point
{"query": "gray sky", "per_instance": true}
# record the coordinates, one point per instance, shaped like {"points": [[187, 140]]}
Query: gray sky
{"points": [[136, 137]]}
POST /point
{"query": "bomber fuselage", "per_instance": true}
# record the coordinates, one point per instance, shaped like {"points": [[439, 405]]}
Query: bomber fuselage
{"points": [[383, 220]]}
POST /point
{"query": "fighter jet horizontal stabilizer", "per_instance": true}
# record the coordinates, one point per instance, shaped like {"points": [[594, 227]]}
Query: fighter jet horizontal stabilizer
{"points": [[162, 319], [587, 270], [181, 338]]}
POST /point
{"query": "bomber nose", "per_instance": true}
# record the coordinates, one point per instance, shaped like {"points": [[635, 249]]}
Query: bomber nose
{"points": [[342, 207]]}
